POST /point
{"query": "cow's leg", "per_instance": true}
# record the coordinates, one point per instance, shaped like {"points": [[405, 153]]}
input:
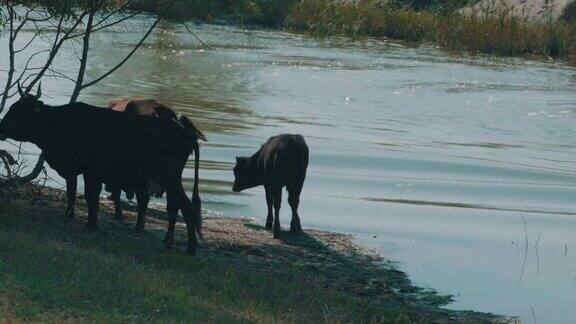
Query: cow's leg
{"points": [[277, 196], [143, 198], [115, 197], [109, 188], [177, 199], [270, 203], [92, 188], [71, 186], [294, 200], [129, 192], [172, 210]]}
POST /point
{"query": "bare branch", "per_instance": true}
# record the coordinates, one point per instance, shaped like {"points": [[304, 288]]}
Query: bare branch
{"points": [[55, 49], [24, 20], [10, 56], [35, 172], [114, 12], [36, 34], [107, 25], [84, 58], [125, 58], [26, 69], [60, 75]]}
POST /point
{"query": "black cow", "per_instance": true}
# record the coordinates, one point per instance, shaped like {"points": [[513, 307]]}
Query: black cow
{"points": [[74, 142], [281, 161], [151, 107]]}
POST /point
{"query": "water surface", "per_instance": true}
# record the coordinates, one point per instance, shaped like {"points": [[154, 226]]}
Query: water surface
{"points": [[435, 159]]}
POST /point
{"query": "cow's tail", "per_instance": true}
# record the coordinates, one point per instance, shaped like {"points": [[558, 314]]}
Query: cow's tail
{"points": [[196, 202], [189, 125]]}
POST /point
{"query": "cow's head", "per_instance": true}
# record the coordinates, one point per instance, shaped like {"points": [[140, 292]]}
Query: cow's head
{"points": [[245, 174], [22, 120]]}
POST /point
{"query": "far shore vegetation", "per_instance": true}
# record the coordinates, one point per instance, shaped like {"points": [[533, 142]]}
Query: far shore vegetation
{"points": [[430, 21]]}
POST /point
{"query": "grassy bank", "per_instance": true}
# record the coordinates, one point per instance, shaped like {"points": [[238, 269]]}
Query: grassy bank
{"points": [[501, 34], [57, 272], [435, 22]]}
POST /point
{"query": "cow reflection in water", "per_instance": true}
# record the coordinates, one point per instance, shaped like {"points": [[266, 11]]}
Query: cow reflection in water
{"points": [[280, 162], [132, 150], [151, 107]]}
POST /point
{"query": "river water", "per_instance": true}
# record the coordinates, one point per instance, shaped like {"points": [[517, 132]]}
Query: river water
{"points": [[462, 169]]}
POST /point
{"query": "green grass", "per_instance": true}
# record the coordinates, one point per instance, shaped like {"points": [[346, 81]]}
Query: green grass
{"points": [[56, 273]]}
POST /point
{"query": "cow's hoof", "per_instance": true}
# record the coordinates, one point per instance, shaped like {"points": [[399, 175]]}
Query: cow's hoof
{"points": [[269, 226], [276, 233]]}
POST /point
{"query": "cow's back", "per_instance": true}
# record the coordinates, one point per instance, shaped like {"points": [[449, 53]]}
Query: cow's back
{"points": [[119, 104], [114, 144], [284, 158]]}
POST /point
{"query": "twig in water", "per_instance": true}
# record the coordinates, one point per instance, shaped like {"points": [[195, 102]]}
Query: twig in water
{"points": [[537, 256], [197, 37], [525, 250], [533, 315]]}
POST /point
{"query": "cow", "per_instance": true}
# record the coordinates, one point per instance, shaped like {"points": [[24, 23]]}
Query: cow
{"points": [[129, 151], [151, 107], [280, 162]]}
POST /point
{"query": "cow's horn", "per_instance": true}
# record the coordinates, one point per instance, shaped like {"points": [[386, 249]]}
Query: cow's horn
{"points": [[39, 92], [20, 92]]}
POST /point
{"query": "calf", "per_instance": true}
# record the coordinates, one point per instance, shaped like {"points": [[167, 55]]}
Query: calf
{"points": [[151, 107], [130, 151], [280, 162]]}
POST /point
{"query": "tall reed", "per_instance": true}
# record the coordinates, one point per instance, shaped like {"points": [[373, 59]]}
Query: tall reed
{"points": [[501, 33]]}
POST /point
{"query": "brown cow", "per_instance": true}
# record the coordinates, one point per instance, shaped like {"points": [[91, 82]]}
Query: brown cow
{"points": [[151, 107]]}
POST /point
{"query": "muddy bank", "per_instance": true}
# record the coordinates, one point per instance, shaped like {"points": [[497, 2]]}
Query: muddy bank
{"points": [[313, 259]]}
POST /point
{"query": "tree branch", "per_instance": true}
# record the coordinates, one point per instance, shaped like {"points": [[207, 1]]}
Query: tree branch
{"points": [[55, 48], [10, 57], [84, 58], [125, 58]]}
